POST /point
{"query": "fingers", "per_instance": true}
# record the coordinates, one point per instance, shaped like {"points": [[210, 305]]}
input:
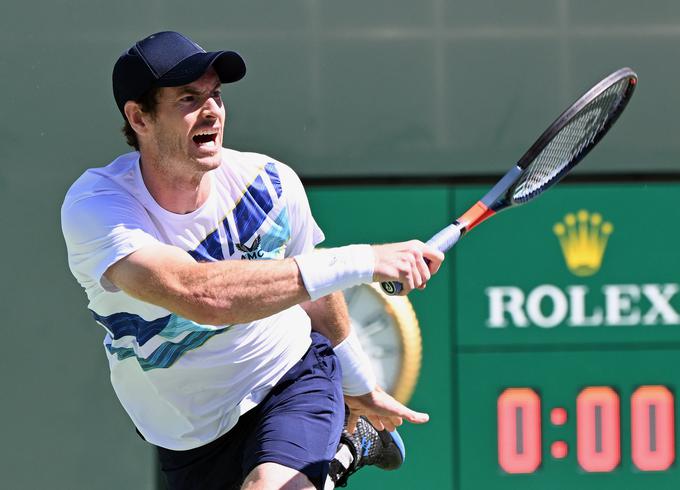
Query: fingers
{"points": [[391, 423], [384, 422], [412, 263], [424, 271], [382, 411], [415, 263], [352, 422], [398, 411], [388, 424], [376, 421], [417, 417], [434, 258]]}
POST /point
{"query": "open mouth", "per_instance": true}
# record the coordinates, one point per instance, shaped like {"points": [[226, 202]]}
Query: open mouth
{"points": [[205, 138]]}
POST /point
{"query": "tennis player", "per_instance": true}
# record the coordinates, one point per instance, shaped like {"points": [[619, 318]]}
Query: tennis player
{"points": [[235, 367]]}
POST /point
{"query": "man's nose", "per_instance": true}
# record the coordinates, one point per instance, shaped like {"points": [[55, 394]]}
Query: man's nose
{"points": [[212, 107]]}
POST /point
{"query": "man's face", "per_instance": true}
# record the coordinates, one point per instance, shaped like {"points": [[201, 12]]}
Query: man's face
{"points": [[186, 131]]}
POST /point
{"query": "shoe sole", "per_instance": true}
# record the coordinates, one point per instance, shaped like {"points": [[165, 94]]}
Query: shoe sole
{"points": [[396, 438], [390, 441]]}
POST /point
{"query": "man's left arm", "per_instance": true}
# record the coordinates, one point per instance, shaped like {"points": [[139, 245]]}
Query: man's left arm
{"points": [[330, 317]]}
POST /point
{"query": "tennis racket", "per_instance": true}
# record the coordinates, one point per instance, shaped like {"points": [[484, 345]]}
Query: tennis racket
{"points": [[558, 150]]}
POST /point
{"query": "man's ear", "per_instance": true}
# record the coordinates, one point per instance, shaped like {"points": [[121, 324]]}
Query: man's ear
{"points": [[137, 118]]}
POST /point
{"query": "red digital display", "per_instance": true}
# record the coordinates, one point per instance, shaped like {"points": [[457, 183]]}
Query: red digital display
{"points": [[519, 430], [558, 416], [598, 426], [598, 447], [559, 449], [652, 428]]}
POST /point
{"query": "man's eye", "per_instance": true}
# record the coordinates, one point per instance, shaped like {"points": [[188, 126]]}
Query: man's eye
{"points": [[188, 98], [217, 94]]}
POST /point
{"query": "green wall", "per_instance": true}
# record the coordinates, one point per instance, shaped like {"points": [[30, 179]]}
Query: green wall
{"points": [[435, 87]]}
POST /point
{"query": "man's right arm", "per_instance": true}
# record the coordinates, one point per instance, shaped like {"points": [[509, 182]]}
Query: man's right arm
{"points": [[211, 293], [240, 291]]}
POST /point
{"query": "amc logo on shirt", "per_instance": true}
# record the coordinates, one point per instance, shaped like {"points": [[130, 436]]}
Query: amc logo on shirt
{"points": [[252, 252]]}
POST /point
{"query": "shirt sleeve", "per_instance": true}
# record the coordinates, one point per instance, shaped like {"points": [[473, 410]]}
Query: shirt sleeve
{"points": [[101, 229], [305, 234]]}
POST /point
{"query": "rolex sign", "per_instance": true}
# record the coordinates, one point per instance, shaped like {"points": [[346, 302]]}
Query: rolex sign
{"points": [[583, 238], [575, 266]]}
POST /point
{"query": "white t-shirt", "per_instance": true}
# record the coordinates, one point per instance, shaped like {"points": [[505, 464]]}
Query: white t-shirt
{"points": [[182, 383]]}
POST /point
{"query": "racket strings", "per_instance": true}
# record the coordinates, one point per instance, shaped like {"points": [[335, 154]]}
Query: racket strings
{"points": [[570, 143]]}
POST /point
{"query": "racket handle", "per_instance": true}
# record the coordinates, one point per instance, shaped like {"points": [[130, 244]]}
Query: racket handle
{"points": [[442, 241], [447, 238]]}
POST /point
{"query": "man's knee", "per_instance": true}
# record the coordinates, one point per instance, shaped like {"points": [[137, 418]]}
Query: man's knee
{"points": [[270, 476]]}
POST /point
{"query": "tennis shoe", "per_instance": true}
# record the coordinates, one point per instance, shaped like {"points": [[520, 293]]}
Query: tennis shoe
{"points": [[366, 447]]}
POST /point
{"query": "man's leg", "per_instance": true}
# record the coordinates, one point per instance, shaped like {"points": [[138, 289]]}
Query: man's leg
{"points": [[268, 476], [365, 447], [214, 466], [298, 424]]}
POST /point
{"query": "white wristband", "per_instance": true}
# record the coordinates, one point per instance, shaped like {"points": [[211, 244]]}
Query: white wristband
{"points": [[334, 269], [358, 377]]}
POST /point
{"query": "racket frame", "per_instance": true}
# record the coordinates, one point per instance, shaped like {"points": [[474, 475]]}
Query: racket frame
{"points": [[500, 195]]}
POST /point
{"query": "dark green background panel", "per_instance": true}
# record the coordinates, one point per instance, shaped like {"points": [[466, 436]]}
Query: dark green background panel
{"points": [[557, 377], [518, 248], [367, 215]]}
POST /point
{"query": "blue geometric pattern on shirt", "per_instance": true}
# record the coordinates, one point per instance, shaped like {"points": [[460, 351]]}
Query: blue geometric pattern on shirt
{"points": [[168, 352], [178, 325], [249, 214], [274, 177], [209, 250], [276, 238], [128, 324], [230, 240], [252, 209], [125, 324]]}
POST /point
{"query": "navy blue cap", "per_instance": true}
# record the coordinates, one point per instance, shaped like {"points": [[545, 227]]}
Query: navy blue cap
{"points": [[169, 59]]}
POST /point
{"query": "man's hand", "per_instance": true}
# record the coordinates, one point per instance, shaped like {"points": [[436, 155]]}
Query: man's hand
{"points": [[383, 411], [412, 263]]}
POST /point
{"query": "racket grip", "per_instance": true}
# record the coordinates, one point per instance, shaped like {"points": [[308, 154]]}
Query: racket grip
{"points": [[442, 241], [446, 239]]}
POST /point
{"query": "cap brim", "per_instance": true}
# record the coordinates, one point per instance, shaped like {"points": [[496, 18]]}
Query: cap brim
{"points": [[229, 66]]}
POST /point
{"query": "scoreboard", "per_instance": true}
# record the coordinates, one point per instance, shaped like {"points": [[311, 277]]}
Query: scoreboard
{"points": [[551, 338], [567, 337]]}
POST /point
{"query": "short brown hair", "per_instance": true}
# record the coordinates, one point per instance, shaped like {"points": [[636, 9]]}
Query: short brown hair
{"points": [[148, 103]]}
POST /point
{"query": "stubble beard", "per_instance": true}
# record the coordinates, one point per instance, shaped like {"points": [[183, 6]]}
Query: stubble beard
{"points": [[175, 161]]}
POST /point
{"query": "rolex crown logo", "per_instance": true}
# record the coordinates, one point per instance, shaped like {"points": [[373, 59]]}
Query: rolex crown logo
{"points": [[583, 238]]}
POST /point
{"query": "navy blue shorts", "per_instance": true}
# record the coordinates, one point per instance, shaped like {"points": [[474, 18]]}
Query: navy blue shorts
{"points": [[297, 425]]}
